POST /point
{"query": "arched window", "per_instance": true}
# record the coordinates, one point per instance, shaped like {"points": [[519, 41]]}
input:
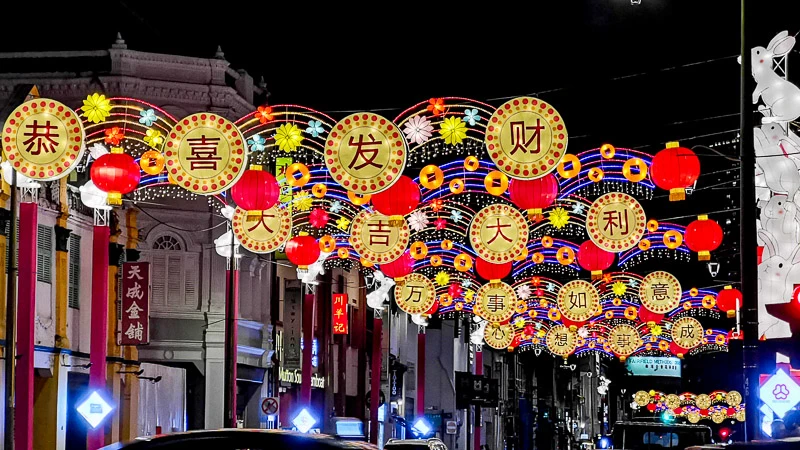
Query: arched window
{"points": [[167, 242], [174, 273]]}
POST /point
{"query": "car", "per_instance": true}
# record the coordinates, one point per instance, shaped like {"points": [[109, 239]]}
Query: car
{"points": [[415, 444], [649, 435], [238, 439]]}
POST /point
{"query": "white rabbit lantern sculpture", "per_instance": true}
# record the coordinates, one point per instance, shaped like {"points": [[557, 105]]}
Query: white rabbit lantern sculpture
{"points": [[780, 97]]}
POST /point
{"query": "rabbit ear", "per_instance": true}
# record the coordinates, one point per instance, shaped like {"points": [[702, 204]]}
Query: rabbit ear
{"points": [[795, 258], [783, 46], [778, 37], [769, 243]]}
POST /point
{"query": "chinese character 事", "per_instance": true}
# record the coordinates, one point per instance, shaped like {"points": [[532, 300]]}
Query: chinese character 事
{"points": [[367, 151], [496, 302], [42, 137], [615, 219], [521, 141], [204, 153]]}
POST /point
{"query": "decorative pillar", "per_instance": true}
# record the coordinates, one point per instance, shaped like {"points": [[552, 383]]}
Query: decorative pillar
{"points": [[478, 420], [99, 317], [113, 350], [375, 377], [5, 217], [231, 338], [130, 390], [26, 313], [308, 343], [62, 266], [420, 404]]}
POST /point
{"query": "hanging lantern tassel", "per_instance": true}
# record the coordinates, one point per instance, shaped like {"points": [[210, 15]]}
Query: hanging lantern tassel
{"points": [[535, 214], [396, 221], [597, 274], [494, 283], [677, 194]]}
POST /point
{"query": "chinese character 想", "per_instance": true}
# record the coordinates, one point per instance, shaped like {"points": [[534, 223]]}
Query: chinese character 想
{"points": [[135, 332], [135, 272], [615, 219], [41, 136], [133, 311], [135, 291], [261, 221], [520, 139], [379, 232], [499, 227], [561, 339], [204, 153], [368, 151]]}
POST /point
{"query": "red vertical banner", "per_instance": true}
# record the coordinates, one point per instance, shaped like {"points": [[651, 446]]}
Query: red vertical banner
{"points": [[26, 315], [135, 319], [340, 314]]}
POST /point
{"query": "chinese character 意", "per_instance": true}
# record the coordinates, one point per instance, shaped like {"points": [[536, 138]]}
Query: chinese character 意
{"points": [[577, 300], [135, 332], [520, 139], [133, 311], [368, 151], [135, 272], [416, 291], [499, 227], [379, 232], [261, 221], [42, 137], [496, 302], [135, 291], [687, 332], [660, 292], [204, 153], [615, 219]]}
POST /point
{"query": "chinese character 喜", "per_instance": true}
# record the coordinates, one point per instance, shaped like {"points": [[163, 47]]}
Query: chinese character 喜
{"points": [[521, 141], [133, 311], [499, 227], [135, 332], [615, 219], [368, 151], [262, 221], [204, 153], [43, 140], [379, 232]]}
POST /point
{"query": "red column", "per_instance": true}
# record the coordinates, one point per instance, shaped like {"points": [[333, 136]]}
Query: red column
{"points": [[308, 344], [420, 405], [375, 379], [231, 342], [478, 420], [99, 333], [26, 313]]}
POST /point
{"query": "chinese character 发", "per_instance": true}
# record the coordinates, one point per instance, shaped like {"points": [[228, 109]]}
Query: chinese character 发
{"points": [[261, 221], [42, 137], [135, 332], [416, 291], [499, 227], [135, 291], [522, 141], [204, 153], [133, 311], [135, 272], [368, 151], [660, 292], [577, 300], [615, 219], [496, 302], [379, 232]]}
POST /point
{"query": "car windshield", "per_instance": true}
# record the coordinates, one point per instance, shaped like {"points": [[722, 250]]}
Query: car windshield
{"points": [[405, 445], [656, 437]]}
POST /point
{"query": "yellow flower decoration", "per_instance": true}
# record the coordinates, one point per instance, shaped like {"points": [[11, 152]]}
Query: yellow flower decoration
{"points": [[153, 138], [96, 108], [442, 278], [454, 130], [619, 288], [540, 333], [468, 294], [559, 217], [303, 200], [288, 137], [343, 224], [656, 330]]}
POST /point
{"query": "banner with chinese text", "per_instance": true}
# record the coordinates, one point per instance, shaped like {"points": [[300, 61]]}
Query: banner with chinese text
{"points": [[135, 319], [340, 314]]}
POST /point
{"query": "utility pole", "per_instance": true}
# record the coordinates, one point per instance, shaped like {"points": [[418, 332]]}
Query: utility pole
{"points": [[11, 317]]}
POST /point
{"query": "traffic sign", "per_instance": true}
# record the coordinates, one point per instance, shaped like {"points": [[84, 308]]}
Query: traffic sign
{"points": [[270, 405], [451, 427]]}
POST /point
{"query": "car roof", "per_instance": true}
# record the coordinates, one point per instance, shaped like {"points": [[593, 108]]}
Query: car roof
{"points": [[239, 437]]}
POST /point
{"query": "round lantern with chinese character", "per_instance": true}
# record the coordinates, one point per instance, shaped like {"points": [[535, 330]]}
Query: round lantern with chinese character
{"points": [[115, 173], [399, 268], [534, 195], [594, 259], [675, 169], [729, 299], [491, 271], [256, 190], [703, 236], [400, 199], [302, 251]]}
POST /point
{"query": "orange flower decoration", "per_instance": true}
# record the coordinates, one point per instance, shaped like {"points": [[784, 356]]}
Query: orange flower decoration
{"points": [[114, 135], [437, 205], [264, 114], [436, 106]]}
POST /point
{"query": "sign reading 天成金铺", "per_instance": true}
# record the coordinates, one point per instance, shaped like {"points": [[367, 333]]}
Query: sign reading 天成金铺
{"points": [[660, 292], [365, 153], [340, 322], [375, 240], [526, 138], [616, 222], [416, 294], [43, 139], [498, 233], [205, 153], [654, 366], [262, 231], [578, 300], [135, 320]]}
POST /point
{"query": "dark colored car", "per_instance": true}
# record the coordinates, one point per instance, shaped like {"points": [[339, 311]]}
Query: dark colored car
{"points": [[240, 439], [657, 436], [415, 444]]}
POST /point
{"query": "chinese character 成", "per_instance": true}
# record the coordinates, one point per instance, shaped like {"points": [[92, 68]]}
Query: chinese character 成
{"points": [[499, 227], [133, 311], [379, 232], [42, 137], [615, 219], [368, 151], [522, 141], [135, 332], [204, 153], [135, 292], [687, 332]]}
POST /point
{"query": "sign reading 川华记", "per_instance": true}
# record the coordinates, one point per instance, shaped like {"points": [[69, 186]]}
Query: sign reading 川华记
{"points": [[654, 366]]}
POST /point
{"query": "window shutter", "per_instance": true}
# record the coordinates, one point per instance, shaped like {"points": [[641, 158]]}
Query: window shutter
{"points": [[7, 232], [73, 293], [191, 266], [44, 254], [158, 278], [175, 280]]}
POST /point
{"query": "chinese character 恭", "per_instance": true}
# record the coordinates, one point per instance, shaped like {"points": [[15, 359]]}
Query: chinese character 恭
{"points": [[615, 219], [368, 151], [521, 141], [135, 332], [379, 232], [416, 291], [499, 227], [577, 300], [133, 311], [687, 332], [660, 292], [204, 153], [42, 137], [135, 272], [135, 292], [496, 302], [262, 221]]}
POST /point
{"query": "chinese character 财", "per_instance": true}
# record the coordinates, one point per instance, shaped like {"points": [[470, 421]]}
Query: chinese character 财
{"points": [[520, 139]]}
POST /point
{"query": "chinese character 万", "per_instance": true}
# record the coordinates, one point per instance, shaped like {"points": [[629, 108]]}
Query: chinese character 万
{"points": [[133, 311], [135, 292], [42, 137], [521, 141], [262, 221], [135, 332], [687, 332], [577, 300], [379, 232], [416, 291], [135, 272], [204, 153], [499, 227], [496, 302], [660, 292], [368, 151], [615, 219]]}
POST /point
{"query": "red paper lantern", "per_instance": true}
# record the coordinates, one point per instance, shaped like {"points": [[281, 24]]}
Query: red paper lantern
{"points": [[534, 195], [703, 236], [455, 290], [491, 271], [256, 190], [594, 259], [646, 316], [529, 330], [515, 342], [115, 173], [398, 200], [432, 310], [399, 268], [675, 169], [726, 300], [302, 251], [318, 218], [651, 407], [571, 324], [677, 350]]}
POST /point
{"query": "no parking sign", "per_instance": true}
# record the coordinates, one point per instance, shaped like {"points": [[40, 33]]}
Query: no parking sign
{"points": [[270, 405]]}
